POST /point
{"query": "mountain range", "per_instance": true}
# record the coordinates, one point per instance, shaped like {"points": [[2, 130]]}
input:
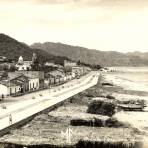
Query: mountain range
{"points": [[58, 52], [12, 49], [91, 56]]}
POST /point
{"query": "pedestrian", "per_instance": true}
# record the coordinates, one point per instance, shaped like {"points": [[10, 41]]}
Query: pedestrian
{"points": [[10, 119], [2, 96]]}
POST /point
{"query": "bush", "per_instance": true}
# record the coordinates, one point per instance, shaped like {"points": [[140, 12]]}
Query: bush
{"points": [[110, 97], [113, 122], [33, 97], [108, 144], [40, 95], [86, 122], [102, 107], [3, 107], [107, 84]]}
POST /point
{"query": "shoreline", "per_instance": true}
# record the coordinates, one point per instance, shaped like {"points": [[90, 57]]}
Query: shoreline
{"points": [[125, 83], [137, 119]]}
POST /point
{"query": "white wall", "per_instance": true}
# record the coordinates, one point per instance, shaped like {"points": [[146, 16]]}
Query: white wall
{"points": [[6, 90], [3, 90], [23, 67], [73, 74], [15, 89], [34, 83], [65, 78]]}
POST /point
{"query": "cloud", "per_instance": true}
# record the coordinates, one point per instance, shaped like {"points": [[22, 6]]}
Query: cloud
{"points": [[108, 3], [115, 4], [52, 1], [100, 24]]}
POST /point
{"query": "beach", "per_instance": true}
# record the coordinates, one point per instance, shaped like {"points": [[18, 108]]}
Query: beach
{"points": [[134, 84]]}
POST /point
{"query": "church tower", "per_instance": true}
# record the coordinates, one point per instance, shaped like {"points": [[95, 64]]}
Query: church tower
{"points": [[20, 60], [35, 62]]}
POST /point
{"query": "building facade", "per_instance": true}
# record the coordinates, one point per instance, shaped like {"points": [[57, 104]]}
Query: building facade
{"points": [[69, 63], [31, 74], [9, 88], [33, 83]]}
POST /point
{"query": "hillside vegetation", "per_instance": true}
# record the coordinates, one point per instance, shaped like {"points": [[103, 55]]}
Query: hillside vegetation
{"points": [[12, 49], [58, 52], [91, 56]]}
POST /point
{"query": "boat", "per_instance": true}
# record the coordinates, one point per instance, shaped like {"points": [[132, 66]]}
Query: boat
{"points": [[131, 107]]}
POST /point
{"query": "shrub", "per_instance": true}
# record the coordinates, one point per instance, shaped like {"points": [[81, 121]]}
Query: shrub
{"points": [[110, 97], [3, 107], [108, 144], [33, 97], [108, 84], [40, 95], [102, 107], [113, 122], [86, 122]]}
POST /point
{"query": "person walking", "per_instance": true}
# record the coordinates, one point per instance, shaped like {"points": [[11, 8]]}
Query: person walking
{"points": [[2, 96], [10, 119]]}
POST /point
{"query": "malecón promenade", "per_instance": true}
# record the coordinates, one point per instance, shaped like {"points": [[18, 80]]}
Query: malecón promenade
{"points": [[33, 103]]}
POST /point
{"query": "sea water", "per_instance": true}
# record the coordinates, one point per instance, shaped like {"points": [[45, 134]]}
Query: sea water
{"points": [[136, 78]]}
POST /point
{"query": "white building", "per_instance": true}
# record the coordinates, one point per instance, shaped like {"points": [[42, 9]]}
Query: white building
{"points": [[77, 70], [73, 75], [20, 60], [9, 88], [33, 83], [69, 63], [33, 77], [18, 84], [23, 65]]}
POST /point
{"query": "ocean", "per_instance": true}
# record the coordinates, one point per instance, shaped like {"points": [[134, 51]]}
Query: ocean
{"points": [[133, 78], [137, 77]]}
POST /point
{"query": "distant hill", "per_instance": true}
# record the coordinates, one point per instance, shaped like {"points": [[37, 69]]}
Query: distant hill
{"points": [[91, 56], [58, 52], [12, 49]]}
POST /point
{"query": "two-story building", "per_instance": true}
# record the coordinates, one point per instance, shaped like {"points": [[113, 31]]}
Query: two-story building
{"points": [[78, 71]]}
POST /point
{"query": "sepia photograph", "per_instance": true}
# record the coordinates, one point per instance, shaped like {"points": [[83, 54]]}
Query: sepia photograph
{"points": [[73, 73]]}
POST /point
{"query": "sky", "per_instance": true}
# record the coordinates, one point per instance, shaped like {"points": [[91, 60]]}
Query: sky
{"points": [[107, 25]]}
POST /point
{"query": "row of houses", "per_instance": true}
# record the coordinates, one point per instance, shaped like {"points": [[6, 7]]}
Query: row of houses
{"points": [[58, 77], [20, 82], [80, 70]]}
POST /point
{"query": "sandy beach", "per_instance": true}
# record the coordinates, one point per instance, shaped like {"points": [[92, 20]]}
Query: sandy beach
{"points": [[137, 119], [125, 83]]}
